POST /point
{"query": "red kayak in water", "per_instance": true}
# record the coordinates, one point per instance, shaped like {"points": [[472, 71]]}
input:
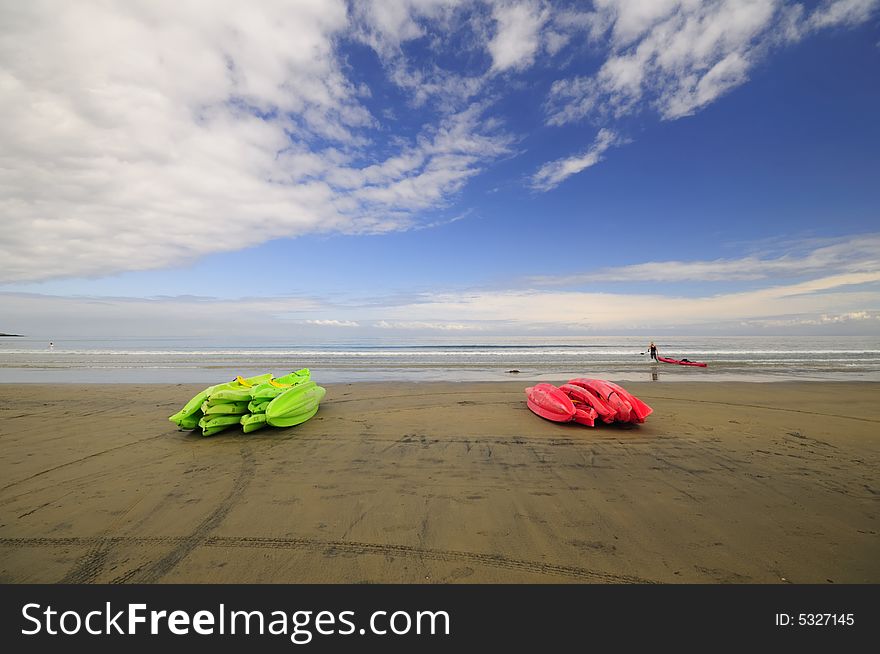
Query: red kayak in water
{"points": [[683, 362]]}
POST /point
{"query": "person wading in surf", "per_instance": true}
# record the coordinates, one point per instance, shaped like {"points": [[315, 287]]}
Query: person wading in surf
{"points": [[653, 350]]}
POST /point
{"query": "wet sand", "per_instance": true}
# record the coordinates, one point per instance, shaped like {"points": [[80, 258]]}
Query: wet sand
{"points": [[435, 483]]}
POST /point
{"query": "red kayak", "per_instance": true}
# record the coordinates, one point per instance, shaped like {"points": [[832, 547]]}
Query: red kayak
{"points": [[640, 410], [615, 401], [584, 401], [582, 396], [683, 363], [558, 405], [551, 403]]}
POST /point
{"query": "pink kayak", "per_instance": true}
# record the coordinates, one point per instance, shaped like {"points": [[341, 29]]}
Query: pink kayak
{"points": [[554, 404], [581, 395], [682, 363], [616, 401], [584, 400], [640, 410], [549, 402]]}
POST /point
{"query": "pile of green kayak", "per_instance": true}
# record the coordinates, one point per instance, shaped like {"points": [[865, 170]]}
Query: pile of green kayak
{"points": [[252, 403]]}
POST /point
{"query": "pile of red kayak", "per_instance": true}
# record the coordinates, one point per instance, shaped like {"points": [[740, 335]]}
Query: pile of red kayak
{"points": [[585, 401]]}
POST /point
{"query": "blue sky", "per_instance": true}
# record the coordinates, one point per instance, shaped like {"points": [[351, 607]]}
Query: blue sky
{"points": [[433, 168]]}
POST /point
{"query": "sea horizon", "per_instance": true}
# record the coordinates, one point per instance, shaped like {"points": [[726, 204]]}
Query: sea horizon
{"points": [[197, 360]]}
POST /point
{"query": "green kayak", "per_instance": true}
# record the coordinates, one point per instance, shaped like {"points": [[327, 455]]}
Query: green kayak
{"points": [[242, 394], [258, 406], [190, 422], [295, 406], [252, 422], [253, 403], [212, 425], [188, 417], [228, 408], [272, 388]]}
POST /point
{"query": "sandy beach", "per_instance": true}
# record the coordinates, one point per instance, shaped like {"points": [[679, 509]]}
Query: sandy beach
{"points": [[442, 482]]}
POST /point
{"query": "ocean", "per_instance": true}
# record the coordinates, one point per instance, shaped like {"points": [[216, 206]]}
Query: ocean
{"points": [[623, 358]]}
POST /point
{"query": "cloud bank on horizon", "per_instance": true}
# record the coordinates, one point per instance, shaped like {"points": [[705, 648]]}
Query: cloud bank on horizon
{"points": [[824, 287], [140, 135]]}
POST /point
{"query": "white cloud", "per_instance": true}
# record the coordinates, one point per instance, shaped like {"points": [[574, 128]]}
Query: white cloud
{"points": [[630, 19], [850, 298], [521, 309], [553, 173], [447, 89], [165, 317], [441, 162], [518, 34], [333, 323], [858, 254], [849, 317], [420, 325], [688, 97], [555, 41], [842, 12], [140, 135], [822, 320], [388, 25], [143, 135], [678, 56], [385, 25]]}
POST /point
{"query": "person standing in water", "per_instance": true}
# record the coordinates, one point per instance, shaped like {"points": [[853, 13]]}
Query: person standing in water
{"points": [[653, 350]]}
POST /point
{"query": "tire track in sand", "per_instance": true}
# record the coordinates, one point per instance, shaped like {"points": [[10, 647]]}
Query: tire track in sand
{"points": [[79, 460], [91, 564], [186, 545], [761, 406], [329, 547]]}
